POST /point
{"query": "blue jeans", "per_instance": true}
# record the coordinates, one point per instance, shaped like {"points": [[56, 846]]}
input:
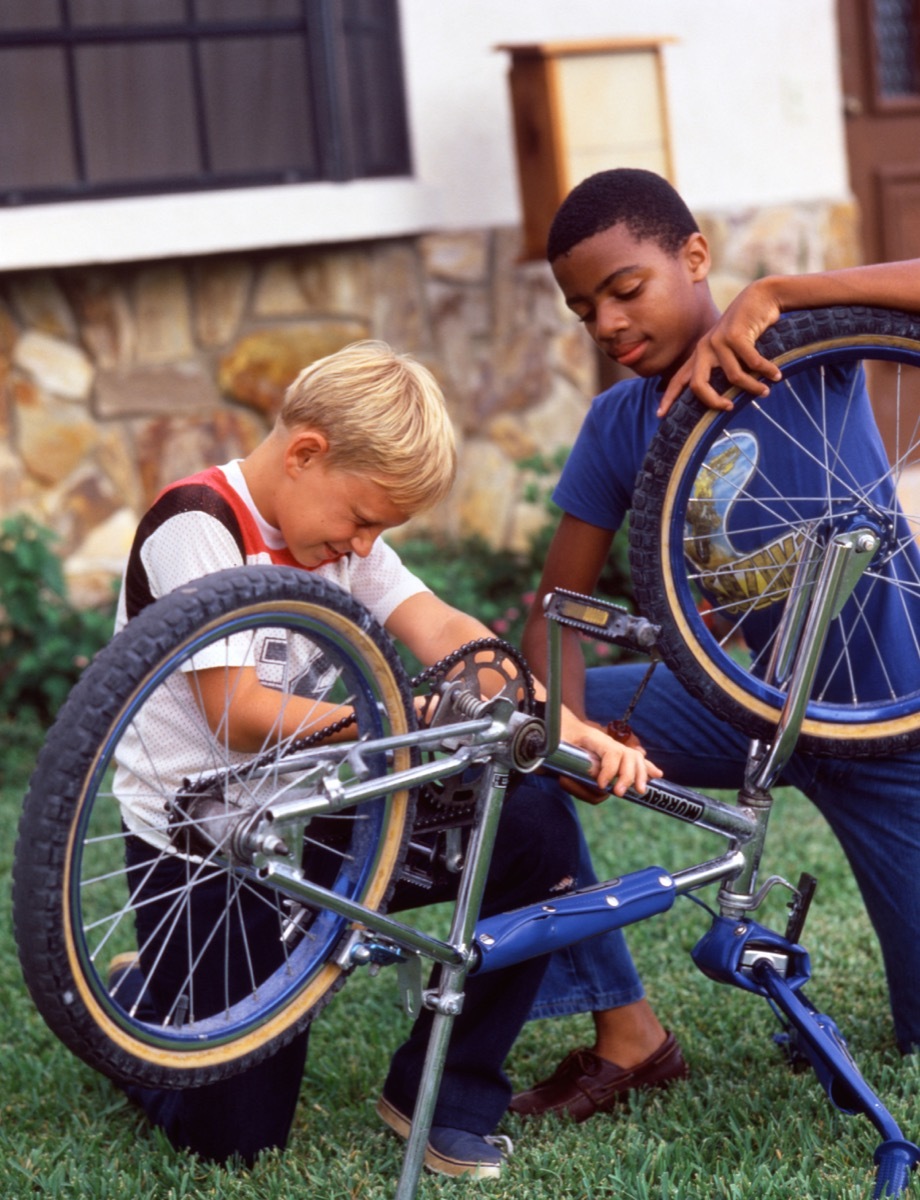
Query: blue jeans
{"points": [[592, 975], [536, 855], [871, 804]]}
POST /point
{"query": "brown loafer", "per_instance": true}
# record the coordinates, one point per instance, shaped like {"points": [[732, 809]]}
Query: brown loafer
{"points": [[584, 1084]]}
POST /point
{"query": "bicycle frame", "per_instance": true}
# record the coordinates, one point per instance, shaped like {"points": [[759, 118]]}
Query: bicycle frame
{"points": [[493, 734]]}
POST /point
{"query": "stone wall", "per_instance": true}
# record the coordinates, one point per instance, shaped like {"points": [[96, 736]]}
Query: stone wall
{"points": [[117, 380]]}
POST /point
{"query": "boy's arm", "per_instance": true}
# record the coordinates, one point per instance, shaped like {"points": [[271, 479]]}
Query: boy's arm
{"points": [[431, 629], [249, 717], [574, 560], [729, 344]]}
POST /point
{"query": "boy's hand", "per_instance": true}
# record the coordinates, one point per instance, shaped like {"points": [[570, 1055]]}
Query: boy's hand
{"points": [[625, 764], [730, 344]]}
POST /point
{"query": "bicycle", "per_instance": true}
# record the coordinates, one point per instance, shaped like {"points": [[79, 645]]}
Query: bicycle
{"points": [[316, 830]]}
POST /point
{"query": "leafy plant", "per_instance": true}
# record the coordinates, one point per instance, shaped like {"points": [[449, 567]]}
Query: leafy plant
{"points": [[45, 641]]}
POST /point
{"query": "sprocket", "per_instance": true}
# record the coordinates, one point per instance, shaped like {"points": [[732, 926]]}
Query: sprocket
{"points": [[474, 667]]}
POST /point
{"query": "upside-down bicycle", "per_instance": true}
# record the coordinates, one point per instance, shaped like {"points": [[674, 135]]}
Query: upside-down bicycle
{"points": [[759, 579]]}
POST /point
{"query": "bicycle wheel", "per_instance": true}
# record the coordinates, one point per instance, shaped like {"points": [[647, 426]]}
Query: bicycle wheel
{"points": [[131, 841], [727, 503]]}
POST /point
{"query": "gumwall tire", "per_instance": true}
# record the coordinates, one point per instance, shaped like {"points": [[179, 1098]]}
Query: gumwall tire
{"points": [[72, 904]]}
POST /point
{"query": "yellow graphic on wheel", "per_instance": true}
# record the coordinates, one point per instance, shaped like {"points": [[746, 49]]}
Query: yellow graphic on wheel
{"points": [[735, 581]]}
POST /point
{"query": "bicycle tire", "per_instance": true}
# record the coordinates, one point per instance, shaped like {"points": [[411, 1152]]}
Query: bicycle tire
{"points": [[692, 566], [76, 901]]}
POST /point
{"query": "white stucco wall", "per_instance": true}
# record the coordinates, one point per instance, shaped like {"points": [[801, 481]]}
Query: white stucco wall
{"points": [[753, 95], [754, 103]]}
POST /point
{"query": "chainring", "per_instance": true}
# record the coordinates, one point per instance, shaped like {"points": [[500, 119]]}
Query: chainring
{"points": [[475, 667]]}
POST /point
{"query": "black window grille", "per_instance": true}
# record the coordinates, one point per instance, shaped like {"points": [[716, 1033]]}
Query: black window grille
{"points": [[108, 98]]}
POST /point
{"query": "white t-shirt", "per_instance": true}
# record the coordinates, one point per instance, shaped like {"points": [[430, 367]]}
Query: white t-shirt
{"points": [[198, 526]]}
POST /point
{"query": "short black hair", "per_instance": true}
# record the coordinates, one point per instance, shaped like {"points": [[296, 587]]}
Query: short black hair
{"points": [[644, 202]]}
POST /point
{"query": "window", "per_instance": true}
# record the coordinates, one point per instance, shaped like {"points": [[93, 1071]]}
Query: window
{"points": [[896, 30], [106, 98]]}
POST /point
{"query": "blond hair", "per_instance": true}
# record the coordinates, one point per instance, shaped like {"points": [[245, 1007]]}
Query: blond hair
{"points": [[384, 417]]}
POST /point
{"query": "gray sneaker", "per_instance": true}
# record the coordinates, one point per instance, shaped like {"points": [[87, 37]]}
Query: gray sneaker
{"points": [[452, 1151]]}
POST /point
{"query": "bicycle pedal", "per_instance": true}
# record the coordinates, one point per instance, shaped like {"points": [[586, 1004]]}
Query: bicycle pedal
{"points": [[797, 1061], [601, 620], [799, 906]]}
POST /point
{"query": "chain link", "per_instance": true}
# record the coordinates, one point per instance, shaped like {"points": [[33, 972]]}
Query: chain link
{"points": [[440, 669]]}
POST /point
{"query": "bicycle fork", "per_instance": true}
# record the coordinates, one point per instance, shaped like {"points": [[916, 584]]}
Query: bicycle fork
{"points": [[735, 951], [750, 956]]}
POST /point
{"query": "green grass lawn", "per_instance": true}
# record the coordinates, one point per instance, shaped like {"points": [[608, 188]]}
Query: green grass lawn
{"points": [[743, 1126]]}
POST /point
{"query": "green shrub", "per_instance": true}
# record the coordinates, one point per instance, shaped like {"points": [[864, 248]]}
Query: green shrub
{"points": [[45, 641]]}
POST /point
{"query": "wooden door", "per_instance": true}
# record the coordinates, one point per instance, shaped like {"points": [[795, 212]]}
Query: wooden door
{"points": [[880, 63], [880, 56]]}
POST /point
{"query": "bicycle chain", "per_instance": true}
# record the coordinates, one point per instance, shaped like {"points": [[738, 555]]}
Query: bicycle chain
{"points": [[440, 669], [436, 671], [619, 728]]}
